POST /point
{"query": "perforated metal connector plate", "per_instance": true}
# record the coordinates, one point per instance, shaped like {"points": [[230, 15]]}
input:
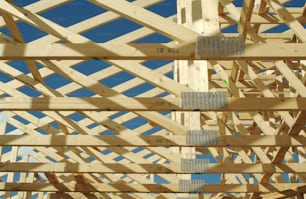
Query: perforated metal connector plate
{"points": [[194, 165], [191, 186], [201, 137], [218, 46], [204, 100]]}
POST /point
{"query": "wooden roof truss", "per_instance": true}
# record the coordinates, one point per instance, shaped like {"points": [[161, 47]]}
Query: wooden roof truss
{"points": [[82, 118]]}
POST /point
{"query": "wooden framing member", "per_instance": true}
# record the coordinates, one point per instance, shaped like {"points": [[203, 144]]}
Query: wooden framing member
{"points": [[245, 17], [153, 140], [127, 195], [144, 17], [286, 194], [147, 104], [145, 188], [294, 25], [14, 30], [167, 51], [141, 168], [39, 7]]}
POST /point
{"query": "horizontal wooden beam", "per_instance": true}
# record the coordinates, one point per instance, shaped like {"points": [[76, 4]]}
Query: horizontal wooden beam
{"points": [[285, 193], [170, 168], [126, 195], [248, 188], [261, 19], [150, 141], [148, 104], [257, 168], [144, 188], [169, 51], [66, 167]]}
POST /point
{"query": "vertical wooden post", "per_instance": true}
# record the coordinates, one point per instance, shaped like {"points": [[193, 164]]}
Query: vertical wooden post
{"points": [[202, 17]]}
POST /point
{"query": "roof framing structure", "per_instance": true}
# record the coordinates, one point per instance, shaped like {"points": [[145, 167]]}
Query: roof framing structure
{"points": [[180, 99]]}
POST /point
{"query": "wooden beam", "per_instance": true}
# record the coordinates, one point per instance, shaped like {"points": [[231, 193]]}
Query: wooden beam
{"points": [[149, 168], [39, 7], [245, 17], [291, 77], [144, 188], [130, 10], [170, 51], [152, 140], [283, 13], [149, 19], [232, 9], [258, 19], [108, 195], [285, 194], [256, 168], [128, 195], [247, 188], [146, 104], [14, 30], [260, 16], [66, 167], [90, 187]]}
